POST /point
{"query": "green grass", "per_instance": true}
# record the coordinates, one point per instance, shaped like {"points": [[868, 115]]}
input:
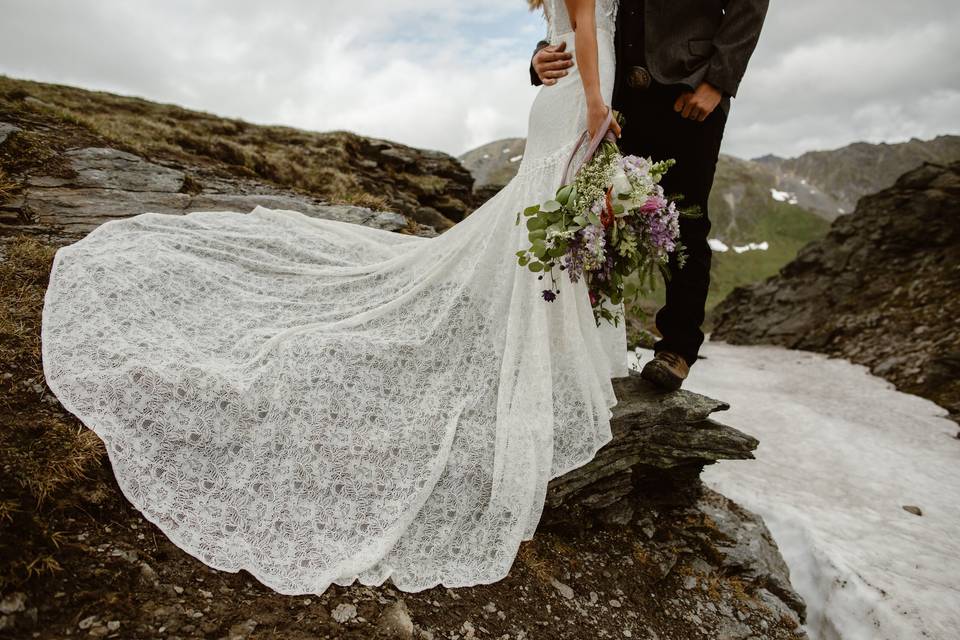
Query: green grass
{"points": [[787, 228]]}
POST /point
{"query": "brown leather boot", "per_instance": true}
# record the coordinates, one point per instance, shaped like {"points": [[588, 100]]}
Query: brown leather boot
{"points": [[667, 370]]}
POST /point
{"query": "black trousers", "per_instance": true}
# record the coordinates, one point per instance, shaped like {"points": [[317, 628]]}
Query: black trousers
{"points": [[653, 129]]}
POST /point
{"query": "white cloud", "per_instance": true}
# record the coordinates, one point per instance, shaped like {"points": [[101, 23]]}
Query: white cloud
{"points": [[822, 78], [428, 73]]}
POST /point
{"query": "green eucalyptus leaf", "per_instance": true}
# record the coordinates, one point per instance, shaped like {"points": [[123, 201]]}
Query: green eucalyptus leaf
{"points": [[535, 223], [550, 206]]}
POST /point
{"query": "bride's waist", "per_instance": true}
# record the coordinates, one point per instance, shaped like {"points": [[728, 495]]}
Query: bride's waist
{"points": [[605, 39]]}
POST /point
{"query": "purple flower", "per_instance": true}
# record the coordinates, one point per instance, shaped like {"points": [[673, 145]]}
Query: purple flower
{"points": [[549, 295]]}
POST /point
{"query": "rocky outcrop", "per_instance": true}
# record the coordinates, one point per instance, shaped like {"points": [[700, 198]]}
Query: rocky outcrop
{"points": [[661, 442], [881, 289]]}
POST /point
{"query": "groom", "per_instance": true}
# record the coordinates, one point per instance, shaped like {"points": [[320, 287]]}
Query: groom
{"points": [[678, 64]]}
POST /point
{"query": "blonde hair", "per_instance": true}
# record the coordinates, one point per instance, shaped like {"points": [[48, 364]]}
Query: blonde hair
{"points": [[535, 4]]}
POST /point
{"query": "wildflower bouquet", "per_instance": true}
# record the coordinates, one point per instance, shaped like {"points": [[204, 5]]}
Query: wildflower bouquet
{"points": [[611, 222]]}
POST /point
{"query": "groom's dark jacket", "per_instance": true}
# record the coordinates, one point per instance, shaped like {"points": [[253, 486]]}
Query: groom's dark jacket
{"points": [[687, 41]]}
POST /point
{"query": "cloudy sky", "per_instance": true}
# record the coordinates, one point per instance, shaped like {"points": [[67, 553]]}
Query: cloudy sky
{"points": [[452, 75]]}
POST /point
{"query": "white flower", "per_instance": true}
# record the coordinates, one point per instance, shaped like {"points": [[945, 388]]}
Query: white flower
{"points": [[621, 183]]}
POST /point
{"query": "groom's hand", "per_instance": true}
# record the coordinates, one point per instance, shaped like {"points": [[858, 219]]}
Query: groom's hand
{"points": [[551, 63], [697, 105]]}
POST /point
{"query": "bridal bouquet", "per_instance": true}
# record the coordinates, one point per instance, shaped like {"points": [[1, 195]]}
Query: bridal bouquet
{"points": [[612, 226]]}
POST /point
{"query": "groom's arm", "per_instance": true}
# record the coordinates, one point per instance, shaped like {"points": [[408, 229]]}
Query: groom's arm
{"points": [[534, 78], [734, 43], [549, 63]]}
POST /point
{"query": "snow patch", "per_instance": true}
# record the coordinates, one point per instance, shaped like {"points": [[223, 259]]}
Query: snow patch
{"points": [[783, 196], [517, 158], [717, 245], [841, 451], [752, 246]]}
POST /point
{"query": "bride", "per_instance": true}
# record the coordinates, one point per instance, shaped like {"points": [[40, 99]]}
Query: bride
{"points": [[320, 402]]}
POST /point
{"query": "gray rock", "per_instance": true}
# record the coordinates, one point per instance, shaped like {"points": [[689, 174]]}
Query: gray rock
{"points": [[108, 184], [562, 589], [13, 602], [5, 130], [652, 431], [105, 168], [82, 210], [344, 611], [242, 630], [748, 548], [395, 622], [909, 508], [87, 622]]}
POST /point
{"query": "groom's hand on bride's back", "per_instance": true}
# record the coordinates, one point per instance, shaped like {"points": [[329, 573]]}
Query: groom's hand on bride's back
{"points": [[551, 62]]}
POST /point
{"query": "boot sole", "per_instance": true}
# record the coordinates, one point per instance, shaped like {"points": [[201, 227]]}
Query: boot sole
{"points": [[663, 379]]}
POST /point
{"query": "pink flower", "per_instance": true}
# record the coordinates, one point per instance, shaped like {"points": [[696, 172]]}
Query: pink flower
{"points": [[653, 204]]}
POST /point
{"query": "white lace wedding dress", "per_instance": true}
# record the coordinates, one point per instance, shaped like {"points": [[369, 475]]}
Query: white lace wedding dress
{"points": [[320, 402]]}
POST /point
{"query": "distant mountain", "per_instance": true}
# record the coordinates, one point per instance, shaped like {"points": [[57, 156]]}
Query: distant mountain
{"points": [[494, 164], [831, 182]]}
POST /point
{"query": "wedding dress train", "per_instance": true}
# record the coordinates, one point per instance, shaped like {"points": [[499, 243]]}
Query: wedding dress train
{"points": [[320, 402]]}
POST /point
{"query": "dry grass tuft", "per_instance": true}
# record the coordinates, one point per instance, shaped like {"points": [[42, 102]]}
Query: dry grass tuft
{"points": [[531, 559], [23, 280], [362, 199], [42, 452], [7, 186]]}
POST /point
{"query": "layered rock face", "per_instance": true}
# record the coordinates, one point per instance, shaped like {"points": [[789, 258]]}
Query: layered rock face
{"points": [[881, 289], [97, 184]]}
